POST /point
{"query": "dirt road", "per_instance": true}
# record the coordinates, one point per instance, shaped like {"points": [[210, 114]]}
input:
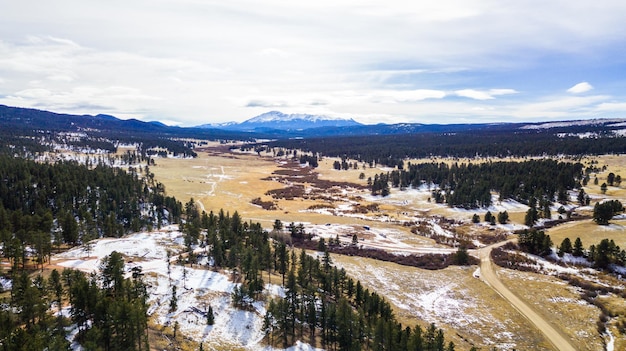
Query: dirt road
{"points": [[489, 276]]}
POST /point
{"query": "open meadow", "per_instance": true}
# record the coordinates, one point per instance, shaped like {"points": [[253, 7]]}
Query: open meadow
{"points": [[333, 203]]}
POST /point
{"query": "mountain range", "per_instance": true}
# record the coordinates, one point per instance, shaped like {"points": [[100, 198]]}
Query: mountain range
{"points": [[278, 125], [276, 120]]}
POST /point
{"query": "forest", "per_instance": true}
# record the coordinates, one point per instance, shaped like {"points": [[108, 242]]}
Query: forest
{"points": [[109, 310], [45, 207], [321, 304], [86, 201], [392, 150], [470, 185], [28, 132]]}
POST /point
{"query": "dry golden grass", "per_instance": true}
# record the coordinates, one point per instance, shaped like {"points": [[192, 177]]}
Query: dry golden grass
{"points": [[475, 314], [241, 182], [161, 338], [589, 232], [218, 182], [617, 306], [615, 164], [558, 303]]}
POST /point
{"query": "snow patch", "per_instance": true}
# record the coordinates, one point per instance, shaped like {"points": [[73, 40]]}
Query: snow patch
{"points": [[197, 289], [6, 283]]}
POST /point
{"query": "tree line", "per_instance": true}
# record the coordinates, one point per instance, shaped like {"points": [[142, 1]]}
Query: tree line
{"points": [[109, 311], [45, 205], [605, 253], [322, 304], [27, 132], [390, 150], [470, 185]]}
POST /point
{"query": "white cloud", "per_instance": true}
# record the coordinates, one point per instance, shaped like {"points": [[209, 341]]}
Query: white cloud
{"points": [[484, 94], [198, 61], [396, 96], [612, 107], [580, 88]]}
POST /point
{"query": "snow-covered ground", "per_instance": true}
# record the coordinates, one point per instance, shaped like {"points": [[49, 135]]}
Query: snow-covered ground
{"points": [[441, 298], [197, 289], [5, 284], [373, 237]]}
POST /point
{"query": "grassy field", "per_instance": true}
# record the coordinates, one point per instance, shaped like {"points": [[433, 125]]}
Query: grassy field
{"points": [[218, 182], [559, 303], [590, 233], [469, 311]]}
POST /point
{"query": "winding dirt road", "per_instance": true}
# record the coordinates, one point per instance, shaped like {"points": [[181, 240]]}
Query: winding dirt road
{"points": [[488, 275]]}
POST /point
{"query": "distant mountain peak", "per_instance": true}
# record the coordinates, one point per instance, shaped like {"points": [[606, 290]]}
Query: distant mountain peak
{"points": [[277, 116], [276, 120]]}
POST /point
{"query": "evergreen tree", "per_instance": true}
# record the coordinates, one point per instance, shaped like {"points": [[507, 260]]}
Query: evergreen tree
{"points": [[603, 212], [70, 229], [112, 268], [278, 225], [475, 218], [173, 300], [503, 217], [610, 179], [488, 216], [531, 217], [56, 287], [461, 257], [604, 253], [210, 317], [565, 247], [578, 250], [581, 197]]}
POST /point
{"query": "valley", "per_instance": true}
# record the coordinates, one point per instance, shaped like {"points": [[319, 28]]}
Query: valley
{"points": [[459, 298], [236, 240], [312, 176]]}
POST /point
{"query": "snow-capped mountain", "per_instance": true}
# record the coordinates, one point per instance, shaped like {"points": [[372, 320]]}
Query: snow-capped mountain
{"points": [[277, 116], [275, 120]]}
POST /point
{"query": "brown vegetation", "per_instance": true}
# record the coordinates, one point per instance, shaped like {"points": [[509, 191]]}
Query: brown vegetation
{"points": [[492, 238], [266, 205], [320, 206], [425, 261], [288, 193], [504, 257], [358, 208]]}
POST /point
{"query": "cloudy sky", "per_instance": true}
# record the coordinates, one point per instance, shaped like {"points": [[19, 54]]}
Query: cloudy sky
{"points": [[189, 62]]}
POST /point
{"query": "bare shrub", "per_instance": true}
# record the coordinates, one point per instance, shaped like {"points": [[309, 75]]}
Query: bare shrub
{"points": [[266, 205], [512, 260]]}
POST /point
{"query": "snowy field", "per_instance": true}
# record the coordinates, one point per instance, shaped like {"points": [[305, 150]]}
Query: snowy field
{"points": [[448, 298], [197, 289]]}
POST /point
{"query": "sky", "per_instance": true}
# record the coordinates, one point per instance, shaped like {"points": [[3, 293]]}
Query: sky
{"points": [[191, 62]]}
